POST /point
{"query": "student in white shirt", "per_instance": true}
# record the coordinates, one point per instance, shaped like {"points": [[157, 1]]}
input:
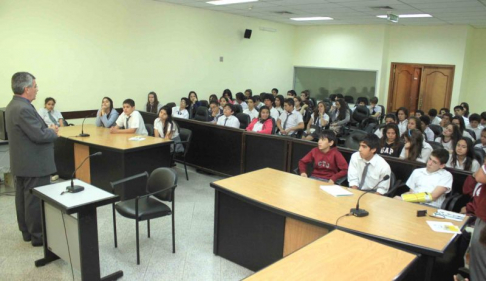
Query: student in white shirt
{"points": [[130, 121], [402, 115], [275, 93], [459, 121], [153, 105], [317, 123], [434, 119], [106, 115], [459, 111], [483, 140], [474, 124], [375, 109], [415, 148], [279, 102], [431, 184], [251, 110], [222, 102], [424, 123], [167, 129], [181, 111], [268, 100], [248, 94], [241, 100], [449, 137], [463, 156], [290, 120], [389, 118], [228, 119], [214, 111], [446, 120], [50, 115], [367, 168]]}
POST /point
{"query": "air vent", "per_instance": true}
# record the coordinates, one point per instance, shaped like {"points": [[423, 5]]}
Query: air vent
{"points": [[381, 8]]}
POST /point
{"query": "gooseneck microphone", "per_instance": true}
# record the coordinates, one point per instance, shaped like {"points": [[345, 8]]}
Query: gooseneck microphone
{"points": [[82, 127], [357, 212], [77, 188]]}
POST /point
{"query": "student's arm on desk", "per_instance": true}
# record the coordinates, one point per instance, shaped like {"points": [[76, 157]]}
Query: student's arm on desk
{"points": [[117, 130]]}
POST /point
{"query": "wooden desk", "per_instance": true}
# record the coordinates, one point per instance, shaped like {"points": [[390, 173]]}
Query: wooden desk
{"points": [[121, 156], [328, 259], [266, 214]]}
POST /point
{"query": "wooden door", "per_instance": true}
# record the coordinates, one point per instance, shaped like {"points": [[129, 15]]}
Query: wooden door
{"points": [[436, 88], [405, 85]]}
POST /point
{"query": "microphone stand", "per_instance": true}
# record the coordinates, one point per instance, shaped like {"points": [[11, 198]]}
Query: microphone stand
{"points": [[82, 127], [357, 212], [77, 188]]}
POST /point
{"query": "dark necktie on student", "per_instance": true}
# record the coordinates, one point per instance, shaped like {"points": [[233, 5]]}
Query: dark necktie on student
{"points": [[363, 176], [52, 118], [128, 123], [286, 119], [225, 121]]}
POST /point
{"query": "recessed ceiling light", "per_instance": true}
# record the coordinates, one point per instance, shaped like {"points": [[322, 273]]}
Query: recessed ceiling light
{"points": [[312, 18], [228, 2], [408, 16]]}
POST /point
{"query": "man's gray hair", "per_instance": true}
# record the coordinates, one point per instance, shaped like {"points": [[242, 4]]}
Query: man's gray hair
{"points": [[20, 81]]}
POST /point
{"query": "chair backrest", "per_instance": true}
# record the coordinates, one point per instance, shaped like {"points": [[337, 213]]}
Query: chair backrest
{"points": [[307, 116], [332, 97], [471, 132], [204, 103], [244, 120], [349, 99], [238, 109], [437, 129], [366, 122], [353, 139], [160, 179], [382, 116], [274, 126], [370, 128], [435, 145], [479, 154], [361, 113], [171, 104], [150, 129], [478, 141], [186, 136], [202, 114], [362, 99]]}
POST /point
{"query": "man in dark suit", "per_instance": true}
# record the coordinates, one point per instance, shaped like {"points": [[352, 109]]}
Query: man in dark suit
{"points": [[31, 154]]}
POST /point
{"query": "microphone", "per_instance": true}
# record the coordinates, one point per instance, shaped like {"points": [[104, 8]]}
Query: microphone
{"points": [[77, 188], [82, 127], [357, 212]]}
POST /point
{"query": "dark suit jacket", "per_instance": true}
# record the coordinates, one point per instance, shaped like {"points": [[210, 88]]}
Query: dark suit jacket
{"points": [[31, 141]]}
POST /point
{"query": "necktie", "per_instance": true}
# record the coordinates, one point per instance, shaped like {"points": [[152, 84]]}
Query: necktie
{"points": [[52, 118], [128, 123], [286, 119], [225, 121], [363, 176]]}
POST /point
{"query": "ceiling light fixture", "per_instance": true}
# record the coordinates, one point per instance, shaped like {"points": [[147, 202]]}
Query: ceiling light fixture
{"points": [[311, 18], [228, 2], [407, 16]]}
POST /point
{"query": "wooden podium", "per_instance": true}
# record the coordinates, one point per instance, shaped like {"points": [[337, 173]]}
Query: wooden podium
{"points": [[70, 227]]}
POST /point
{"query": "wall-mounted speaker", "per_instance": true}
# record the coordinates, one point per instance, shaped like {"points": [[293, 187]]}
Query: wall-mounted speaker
{"points": [[248, 33]]}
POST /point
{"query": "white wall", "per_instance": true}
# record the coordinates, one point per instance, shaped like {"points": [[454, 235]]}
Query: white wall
{"points": [[476, 82]]}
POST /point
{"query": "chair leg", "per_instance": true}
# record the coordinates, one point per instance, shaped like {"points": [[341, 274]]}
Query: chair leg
{"points": [[138, 244], [148, 228], [173, 227], [185, 167], [114, 225]]}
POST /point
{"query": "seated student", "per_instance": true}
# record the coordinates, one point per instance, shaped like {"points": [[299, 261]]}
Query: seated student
{"points": [[241, 100], [474, 124], [446, 120], [413, 124], [375, 109], [263, 124], [214, 111], [402, 115], [275, 92], [434, 119], [258, 102], [482, 144], [153, 105], [465, 105], [361, 103], [290, 120], [463, 156], [459, 111], [339, 116], [213, 97], [459, 121], [449, 137], [268, 101], [193, 104], [279, 102], [429, 185], [106, 115], [251, 110], [291, 94], [167, 129], [181, 111], [222, 102], [248, 93], [442, 111], [390, 142], [424, 124], [227, 94], [318, 121], [130, 121], [367, 168], [415, 148], [50, 115], [228, 119], [419, 113], [477, 264], [329, 163], [389, 118], [305, 96], [298, 104], [483, 119]]}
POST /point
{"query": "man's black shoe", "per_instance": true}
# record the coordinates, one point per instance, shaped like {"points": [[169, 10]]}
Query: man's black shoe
{"points": [[26, 236]]}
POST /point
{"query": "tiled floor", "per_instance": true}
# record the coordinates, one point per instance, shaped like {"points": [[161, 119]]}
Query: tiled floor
{"points": [[193, 260]]}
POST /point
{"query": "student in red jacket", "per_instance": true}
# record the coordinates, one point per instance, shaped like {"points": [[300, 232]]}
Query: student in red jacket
{"points": [[263, 124], [329, 163]]}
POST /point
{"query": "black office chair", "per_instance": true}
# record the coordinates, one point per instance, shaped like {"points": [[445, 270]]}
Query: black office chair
{"points": [[160, 186], [186, 136], [332, 97], [150, 129], [352, 140], [238, 109], [368, 124], [472, 133], [348, 99], [360, 114], [437, 129], [306, 118], [202, 114], [244, 120], [204, 103], [382, 116], [435, 145], [362, 99], [274, 126], [171, 104], [479, 154]]}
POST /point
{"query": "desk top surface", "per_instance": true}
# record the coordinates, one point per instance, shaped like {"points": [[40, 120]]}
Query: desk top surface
{"points": [[328, 258], [102, 137], [389, 219]]}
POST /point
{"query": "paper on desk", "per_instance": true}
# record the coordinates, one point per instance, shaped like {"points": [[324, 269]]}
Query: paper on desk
{"points": [[446, 227], [336, 190], [449, 215], [137, 138]]}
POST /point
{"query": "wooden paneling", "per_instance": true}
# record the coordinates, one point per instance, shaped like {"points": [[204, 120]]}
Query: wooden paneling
{"points": [[436, 87], [81, 151], [298, 234]]}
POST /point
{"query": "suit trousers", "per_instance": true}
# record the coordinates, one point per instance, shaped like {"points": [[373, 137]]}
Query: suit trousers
{"points": [[28, 205]]}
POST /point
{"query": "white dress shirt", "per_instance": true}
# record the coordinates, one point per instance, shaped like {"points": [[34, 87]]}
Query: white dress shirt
{"points": [[230, 121], [294, 119], [274, 113], [429, 134], [44, 113], [160, 128], [252, 113], [377, 170], [474, 166], [447, 145], [403, 126], [177, 113], [436, 121], [424, 154], [422, 181], [135, 120]]}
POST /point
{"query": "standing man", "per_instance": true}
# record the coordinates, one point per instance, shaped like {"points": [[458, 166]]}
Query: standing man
{"points": [[31, 154]]}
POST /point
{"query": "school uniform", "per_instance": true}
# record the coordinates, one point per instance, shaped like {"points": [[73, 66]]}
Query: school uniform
{"points": [[230, 121], [466, 120], [389, 150], [274, 113], [436, 121], [424, 154], [403, 126], [460, 165], [151, 108], [378, 168], [446, 145], [177, 113], [379, 132], [279, 109], [466, 134], [243, 105], [132, 121], [375, 109], [107, 120], [429, 134], [50, 117], [477, 130], [422, 181], [159, 126], [290, 120], [329, 166], [259, 127], [252, 113], [480, 145]]}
